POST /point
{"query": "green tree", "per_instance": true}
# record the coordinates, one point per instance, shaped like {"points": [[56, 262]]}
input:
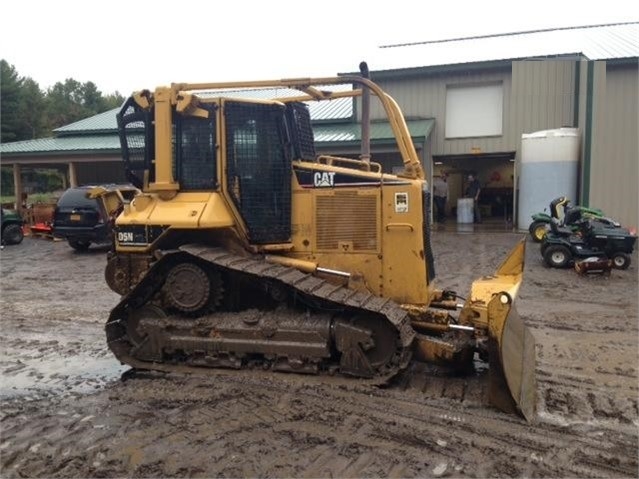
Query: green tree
{"points": [[32, 110], [113, 100], [10, 85], [65, 103], [6, 181], [72, 101], [22, 106], [92, 97], [27, 112]]}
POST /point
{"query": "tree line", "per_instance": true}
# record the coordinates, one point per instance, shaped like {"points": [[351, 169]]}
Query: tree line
{"points": [[28, 112]]}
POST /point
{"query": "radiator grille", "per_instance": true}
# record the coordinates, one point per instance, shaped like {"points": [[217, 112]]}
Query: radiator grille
{"points": [[347, 217]]}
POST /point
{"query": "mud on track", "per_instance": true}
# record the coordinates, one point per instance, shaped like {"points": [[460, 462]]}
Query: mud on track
{"points": [[66, 412]]}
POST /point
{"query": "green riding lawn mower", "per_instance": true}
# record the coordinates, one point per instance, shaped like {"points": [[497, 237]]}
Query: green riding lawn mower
{"points": [[592, 241], [567, 215]]}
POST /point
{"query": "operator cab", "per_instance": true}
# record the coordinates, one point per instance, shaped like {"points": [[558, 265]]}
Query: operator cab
{"points": [[261, 139]]}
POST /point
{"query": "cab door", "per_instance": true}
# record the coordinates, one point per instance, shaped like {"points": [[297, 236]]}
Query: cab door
{"points": [[258, 169]]}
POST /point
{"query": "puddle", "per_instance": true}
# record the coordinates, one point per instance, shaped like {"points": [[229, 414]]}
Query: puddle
{"points": [[77, 374]]}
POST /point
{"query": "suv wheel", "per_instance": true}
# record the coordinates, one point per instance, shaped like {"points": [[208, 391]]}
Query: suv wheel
{"points": [[557, 256], [79, 245], [12, 234]]}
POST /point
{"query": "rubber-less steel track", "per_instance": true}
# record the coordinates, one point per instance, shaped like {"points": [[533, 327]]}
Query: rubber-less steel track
{"points": [[198, 338]]}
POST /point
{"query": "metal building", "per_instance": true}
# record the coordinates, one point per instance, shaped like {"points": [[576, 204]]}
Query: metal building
{"points": [[483, 93]]}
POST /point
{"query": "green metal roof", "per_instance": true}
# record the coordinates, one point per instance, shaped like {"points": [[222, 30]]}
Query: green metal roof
{"points": [[102, 122], [64, 144], [380, 132], [342, 134], [337, 109]]}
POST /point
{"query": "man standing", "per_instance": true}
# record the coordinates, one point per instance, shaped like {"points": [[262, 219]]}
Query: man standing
{"points": [[440, 197], [472, 191]]}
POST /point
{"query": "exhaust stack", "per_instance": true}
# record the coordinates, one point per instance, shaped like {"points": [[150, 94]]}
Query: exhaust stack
{"points": [[366, 115]]}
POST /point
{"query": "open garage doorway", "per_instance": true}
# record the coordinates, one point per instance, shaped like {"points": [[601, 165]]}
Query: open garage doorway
{"points": [[496, 175]]}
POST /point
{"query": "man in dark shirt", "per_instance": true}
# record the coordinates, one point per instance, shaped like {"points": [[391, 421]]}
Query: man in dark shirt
{"points": [[440, 196], [472, 191]]}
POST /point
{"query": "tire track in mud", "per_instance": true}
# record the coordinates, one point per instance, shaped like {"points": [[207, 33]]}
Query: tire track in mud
{"points": [[566, 399], [295, 427], [410, 417], [501, 431], [581, 377]]}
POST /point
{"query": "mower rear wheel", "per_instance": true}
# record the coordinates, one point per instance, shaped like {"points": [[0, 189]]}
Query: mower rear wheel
{"points": [[620, 260], [557, 256], [538, 230]]}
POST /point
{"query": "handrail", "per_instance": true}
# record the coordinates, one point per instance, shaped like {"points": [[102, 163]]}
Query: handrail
{"points": [[412, 165], [364, 165]]}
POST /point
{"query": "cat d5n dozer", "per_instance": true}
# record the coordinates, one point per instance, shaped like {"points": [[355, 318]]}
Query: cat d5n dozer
{"points": [[248, 249]]}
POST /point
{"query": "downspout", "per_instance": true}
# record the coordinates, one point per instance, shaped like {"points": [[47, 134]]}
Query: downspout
{"points": [[575, 117], [585, 191]]}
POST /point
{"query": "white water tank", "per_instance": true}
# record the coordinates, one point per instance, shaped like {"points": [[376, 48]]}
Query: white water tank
{"points": [[464, 210], [549, 169]]}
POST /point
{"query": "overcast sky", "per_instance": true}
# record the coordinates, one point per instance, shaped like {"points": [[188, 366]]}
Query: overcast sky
{"points": [[130, 45]]}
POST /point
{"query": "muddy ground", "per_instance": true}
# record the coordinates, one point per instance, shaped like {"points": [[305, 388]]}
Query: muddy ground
{"points": [[67, 411]]}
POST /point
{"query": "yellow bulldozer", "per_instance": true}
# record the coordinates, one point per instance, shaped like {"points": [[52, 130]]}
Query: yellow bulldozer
{"points": [[246, 248]]}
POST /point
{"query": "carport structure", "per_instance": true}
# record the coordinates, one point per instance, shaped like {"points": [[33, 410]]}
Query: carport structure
{"points": [[88, 151]]}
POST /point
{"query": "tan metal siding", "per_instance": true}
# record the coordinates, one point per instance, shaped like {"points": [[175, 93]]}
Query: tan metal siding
{"points": [[615, 153], [538, 95], [542, 96], [426, 97], [417, 97]]}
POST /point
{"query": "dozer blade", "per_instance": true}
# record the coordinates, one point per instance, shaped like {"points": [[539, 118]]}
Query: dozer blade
{"points": [[512, 361], [511, 345]]}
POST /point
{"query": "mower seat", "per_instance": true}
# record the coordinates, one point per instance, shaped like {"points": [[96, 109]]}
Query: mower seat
{"points": [[558, 229], [572, 216]]}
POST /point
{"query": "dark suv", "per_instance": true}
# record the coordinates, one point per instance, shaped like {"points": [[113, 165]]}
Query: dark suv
{"points": [[82, 220]]}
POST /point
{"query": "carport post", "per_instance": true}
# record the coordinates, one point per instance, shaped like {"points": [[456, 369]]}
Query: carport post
{"points": [[73, 180], [17, 186]]}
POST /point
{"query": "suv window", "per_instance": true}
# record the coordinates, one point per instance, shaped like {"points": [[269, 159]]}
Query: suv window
{"points": [[76, 198]]}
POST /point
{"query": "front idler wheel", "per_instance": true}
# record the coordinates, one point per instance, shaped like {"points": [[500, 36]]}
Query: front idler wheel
{"points": [[367, 345], [557, 256]]}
